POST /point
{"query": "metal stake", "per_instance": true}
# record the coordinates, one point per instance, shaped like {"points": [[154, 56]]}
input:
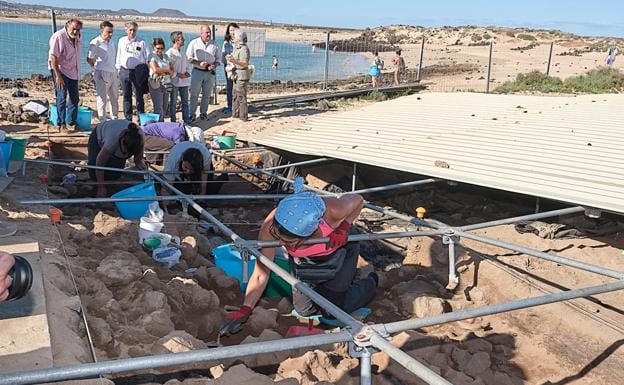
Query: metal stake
{"points": [[326, 73], [354, 177], [487, 86], [453, 280], [420, 62], [549, 58], [365, 368]]}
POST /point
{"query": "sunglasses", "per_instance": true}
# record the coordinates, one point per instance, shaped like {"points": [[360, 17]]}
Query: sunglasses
{"points": [[292, 242], [159, 48]]}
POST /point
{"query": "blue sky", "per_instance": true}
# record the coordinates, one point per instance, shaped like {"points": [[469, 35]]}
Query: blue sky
{"points": [[597, 17]]}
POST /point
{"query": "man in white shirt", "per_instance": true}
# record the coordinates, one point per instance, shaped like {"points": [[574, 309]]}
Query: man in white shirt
{"points": [[180, 79], [204, 55], [101, 57], [132, 65]]}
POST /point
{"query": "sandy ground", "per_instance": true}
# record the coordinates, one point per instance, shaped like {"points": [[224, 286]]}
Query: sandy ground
{"points": [[136, 307]]}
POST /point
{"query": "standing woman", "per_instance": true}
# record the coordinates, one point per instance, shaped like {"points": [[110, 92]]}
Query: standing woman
{"points": [[227, 49], [399, 67], [241, 74], [160, 77], [375, 69]]}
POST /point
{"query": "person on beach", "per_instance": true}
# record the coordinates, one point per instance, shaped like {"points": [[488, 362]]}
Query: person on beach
{"points": [[180, 79], [203, 54], [160, 71], [111, 143], [241, 73], [329, 268], [101, 57], [399, 67], [227, 49], [64, 63], [131, 62], [375, 69]]}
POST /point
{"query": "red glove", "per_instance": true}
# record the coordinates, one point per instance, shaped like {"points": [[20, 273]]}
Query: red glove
{"points": [[338, 237], [234, 321]]}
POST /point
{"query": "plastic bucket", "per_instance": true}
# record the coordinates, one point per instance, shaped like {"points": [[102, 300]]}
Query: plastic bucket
{"points": [[83, 117], [229, 260], [5, 147], [147, 117], [19, 147], [137, 209], [55, 215], [226, 142]]}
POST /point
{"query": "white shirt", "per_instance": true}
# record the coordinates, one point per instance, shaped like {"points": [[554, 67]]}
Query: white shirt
{"points": [[104, 53], [208, 52], [131, 53], [180, 65], [175, 158]]}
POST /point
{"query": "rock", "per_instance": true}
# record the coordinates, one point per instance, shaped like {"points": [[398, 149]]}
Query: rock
{"points": [[262, 319], [241, 375], [14, 118], [30, 117], [217, 371], [105, 224], [477, 364], [284, 306], [101, 331], [176, 342], [120, 268], [457, 378], [157, 323], [422, 305], [478, 345], [460, 357], [324, 105]]}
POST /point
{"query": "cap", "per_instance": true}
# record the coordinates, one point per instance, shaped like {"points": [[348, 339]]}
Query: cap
{"points": [[300, 213], [194, 134]]}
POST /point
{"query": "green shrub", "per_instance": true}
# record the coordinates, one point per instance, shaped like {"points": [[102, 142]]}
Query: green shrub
{"points": [[596, 81], [475, 37], [487, 36], [526, 36], [510, 34]]}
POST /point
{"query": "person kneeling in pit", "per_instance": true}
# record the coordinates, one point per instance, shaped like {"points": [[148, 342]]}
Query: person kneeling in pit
{"points": [[189, 162], [162, 136], [111, 143], [329, 269]]}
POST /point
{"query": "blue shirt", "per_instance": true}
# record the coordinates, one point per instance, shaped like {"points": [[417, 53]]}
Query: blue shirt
{"points": [[173, 131], [227, 49]]}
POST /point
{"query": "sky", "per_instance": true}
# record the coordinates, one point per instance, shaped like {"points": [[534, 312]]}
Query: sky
{"points": [[596, 18]]}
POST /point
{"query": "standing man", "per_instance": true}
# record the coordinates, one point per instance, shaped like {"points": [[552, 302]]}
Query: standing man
{"points": [[180, 79], [101, 56], [64, 63], [133, 71], [204, 56]]}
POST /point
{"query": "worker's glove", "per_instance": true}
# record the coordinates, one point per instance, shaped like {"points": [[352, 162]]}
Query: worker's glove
{"points": [[234, 321], [338, 237]]}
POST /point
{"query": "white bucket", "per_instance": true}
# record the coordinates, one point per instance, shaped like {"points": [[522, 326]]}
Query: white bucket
{"points": [[149, 228]]}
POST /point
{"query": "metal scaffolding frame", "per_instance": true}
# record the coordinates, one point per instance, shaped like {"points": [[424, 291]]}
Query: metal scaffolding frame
{"points": [[363, 339]]}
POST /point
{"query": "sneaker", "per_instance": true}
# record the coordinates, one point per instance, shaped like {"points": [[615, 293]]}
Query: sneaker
{"points": [[227, 110], [203, 117]]}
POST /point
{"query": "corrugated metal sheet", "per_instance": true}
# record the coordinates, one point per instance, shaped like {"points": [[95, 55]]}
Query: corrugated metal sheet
{"points": [[564, 148]]}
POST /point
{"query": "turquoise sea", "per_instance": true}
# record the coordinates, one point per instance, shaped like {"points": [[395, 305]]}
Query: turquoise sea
{"points": [[24, 50]]}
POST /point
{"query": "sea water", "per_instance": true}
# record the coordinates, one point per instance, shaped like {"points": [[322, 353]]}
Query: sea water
{"points": [[24, 51]]}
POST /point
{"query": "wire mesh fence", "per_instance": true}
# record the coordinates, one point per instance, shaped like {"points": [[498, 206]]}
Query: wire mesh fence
{"points": [[445, 60]]}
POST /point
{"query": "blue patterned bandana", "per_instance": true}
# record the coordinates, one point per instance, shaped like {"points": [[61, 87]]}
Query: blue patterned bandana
{"points": [[300, 213]]}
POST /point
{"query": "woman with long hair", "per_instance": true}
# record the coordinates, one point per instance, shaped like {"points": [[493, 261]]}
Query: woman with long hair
{"points": [[159, 78], [227, 49]]}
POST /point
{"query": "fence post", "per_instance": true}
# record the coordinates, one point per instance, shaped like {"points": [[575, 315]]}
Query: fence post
{"points": [[213, 31], [487, 86], [549, 58], [53, 16], [420, 62], [326, 75]]}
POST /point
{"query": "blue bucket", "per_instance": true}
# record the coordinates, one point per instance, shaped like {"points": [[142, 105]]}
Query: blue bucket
{"points": [[146, 117], [229, 260], [5, 147], [83, 117], [136, 209]]}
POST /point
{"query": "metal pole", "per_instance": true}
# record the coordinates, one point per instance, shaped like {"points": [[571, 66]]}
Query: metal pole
{"points": [[326, 73], [420, 370], [537, 205], [162, 360], [214, 87], [334, 310], [353, 177], [549, 58], [546, 256], [530, 217], [53, 16], [356, 238], [394, 186], [420, 62], [487, 86], [303, 163], [453, 279], [418, 323], [149, 199], [365, 368]]}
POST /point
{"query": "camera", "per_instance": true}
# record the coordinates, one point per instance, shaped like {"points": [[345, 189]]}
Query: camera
{"points": [[22, 276]]}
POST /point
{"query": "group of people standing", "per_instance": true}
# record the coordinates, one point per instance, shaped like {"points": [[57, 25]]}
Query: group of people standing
{"points": [[167, 74], [378, 65]]}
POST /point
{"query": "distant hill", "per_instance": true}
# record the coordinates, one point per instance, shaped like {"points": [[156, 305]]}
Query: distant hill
{"points": [[166, 12], [125, 11]]}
